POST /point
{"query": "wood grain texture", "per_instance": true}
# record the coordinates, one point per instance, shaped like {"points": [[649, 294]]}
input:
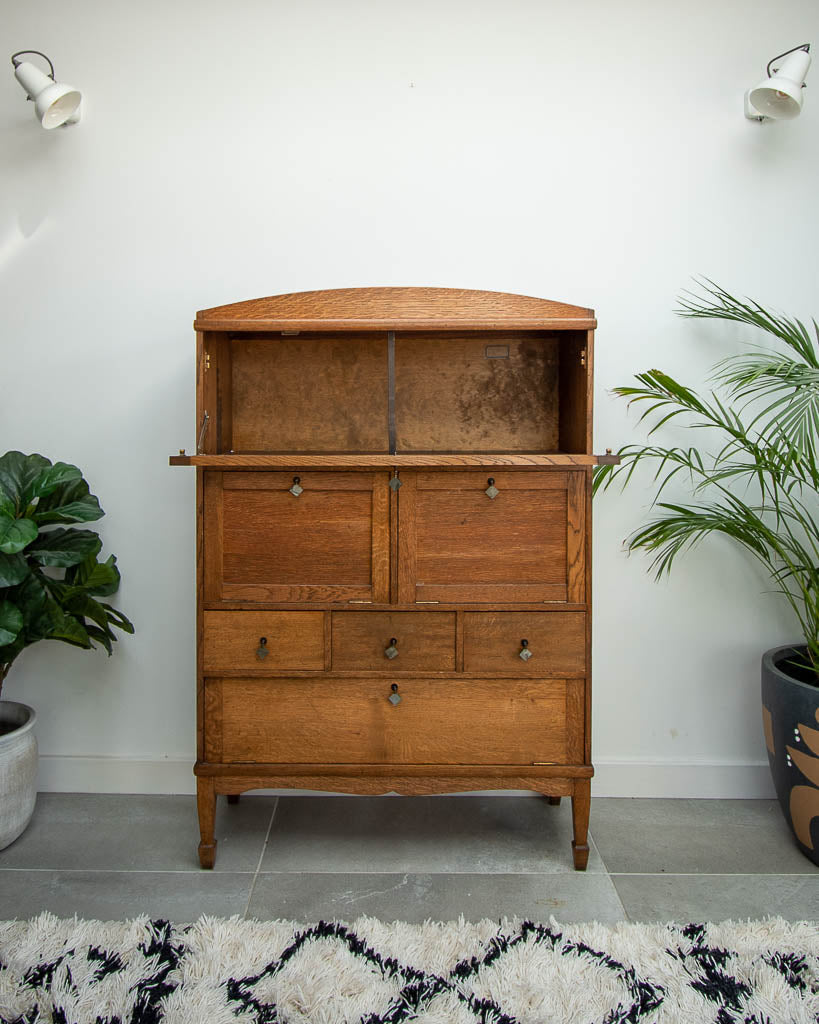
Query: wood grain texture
{"points": [[556, 641], [310, 393], [576, 537], [451, 397], [362, 784], [395, 309], [581, 805], [383, 771], [476, 547], [369, 461], [353, 721], [331, 543], [292, 640], [425, 641]]}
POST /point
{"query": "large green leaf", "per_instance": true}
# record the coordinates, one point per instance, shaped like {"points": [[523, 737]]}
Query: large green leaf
{"points": [[63, 547], [116, 618], [43, 618], [15, 534], [11, 622], [100, 578], [52, 477], [13, 569], [18, 472], [71, 502]]}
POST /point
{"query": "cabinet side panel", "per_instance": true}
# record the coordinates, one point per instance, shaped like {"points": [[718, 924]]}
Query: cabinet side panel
{"points": [[575, 392]]}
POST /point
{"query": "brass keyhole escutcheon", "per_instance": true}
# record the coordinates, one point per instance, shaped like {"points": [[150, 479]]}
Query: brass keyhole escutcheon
{"points": [[525, 653], [491, 490], [261, 650], [392, 651], [394, 698], [296, 489]]}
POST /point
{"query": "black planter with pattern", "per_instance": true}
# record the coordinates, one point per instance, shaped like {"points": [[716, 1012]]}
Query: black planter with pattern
{"points": [[790, 717]]}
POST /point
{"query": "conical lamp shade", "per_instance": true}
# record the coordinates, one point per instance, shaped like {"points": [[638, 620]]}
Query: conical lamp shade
{"points": [[54, 102], [780, 96]]}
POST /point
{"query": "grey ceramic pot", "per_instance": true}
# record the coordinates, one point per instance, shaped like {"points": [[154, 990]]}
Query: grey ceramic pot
{"points": [[18, 769], [790, 716]]}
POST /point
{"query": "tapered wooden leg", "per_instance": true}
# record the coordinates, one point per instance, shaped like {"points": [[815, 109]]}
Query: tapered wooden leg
{"points": [[206, 805], [581, 804], [233, 798], [554, 800]]}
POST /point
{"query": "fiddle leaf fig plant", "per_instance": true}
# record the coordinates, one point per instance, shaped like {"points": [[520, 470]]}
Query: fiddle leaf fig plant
{"points": [[52, 583], [755, 478]]}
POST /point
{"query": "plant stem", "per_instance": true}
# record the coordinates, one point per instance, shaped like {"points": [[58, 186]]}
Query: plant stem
{"points": [[4, 671]]}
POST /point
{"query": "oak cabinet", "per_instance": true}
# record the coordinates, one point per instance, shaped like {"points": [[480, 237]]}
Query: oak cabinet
{"points": [[393, 516]]}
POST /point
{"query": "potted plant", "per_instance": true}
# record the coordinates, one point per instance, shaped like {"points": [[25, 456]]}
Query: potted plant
{"points": [[757, 483], [51, 588]]}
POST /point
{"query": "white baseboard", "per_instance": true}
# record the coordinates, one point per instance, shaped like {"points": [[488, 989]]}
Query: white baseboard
{"points": [[67, 774]]}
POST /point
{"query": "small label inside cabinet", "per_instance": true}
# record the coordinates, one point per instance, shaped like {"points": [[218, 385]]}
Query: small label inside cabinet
{"points": [[496, 351]]}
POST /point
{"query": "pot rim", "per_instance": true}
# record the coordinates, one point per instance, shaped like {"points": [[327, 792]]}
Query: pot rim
{"points": [[28, 724], [769, 658]]}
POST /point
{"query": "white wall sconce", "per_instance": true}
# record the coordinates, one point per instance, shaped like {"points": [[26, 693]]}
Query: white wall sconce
{"points": [[55, 103], [779, 97]]}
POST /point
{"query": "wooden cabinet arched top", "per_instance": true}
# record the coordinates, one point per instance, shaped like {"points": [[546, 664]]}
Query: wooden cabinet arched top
{"points": [[395, 309]]}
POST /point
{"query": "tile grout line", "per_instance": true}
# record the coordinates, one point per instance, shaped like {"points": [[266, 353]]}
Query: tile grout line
{"points": [[608, 874], [261, 858]]}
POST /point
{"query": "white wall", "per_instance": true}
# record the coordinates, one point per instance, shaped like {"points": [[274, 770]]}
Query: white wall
{"points": [[593, 152]]}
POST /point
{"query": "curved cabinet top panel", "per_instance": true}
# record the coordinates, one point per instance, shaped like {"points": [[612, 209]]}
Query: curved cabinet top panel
{"points": [[395, 309]]}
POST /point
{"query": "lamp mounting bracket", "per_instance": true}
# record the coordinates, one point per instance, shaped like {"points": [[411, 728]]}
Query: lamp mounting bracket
{"points": [[773, 60]]}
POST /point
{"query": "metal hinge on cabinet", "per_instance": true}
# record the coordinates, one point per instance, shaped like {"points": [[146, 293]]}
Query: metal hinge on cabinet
{"points": [[202, 432], [207, 361], [582, 357]]}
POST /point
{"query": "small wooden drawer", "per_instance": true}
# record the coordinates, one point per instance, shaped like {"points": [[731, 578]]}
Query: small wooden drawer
{"points": [[423, 641], [352, 721], [235, 641], [556, 641]]}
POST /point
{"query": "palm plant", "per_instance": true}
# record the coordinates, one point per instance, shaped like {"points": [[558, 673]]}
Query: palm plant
{"points": [[759, 481]]}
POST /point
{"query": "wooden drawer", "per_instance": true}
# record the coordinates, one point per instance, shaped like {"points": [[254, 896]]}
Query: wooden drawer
{"points": [[351, 721], [493, 642], [293, 640], [425, 641]]}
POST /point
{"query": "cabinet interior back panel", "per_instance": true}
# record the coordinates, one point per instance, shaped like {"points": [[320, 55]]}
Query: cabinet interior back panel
{"points": [[310, 393], [477, 391]]}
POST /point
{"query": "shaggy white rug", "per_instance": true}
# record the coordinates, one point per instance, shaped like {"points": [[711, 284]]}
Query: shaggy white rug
{"points": [[222, 971]]}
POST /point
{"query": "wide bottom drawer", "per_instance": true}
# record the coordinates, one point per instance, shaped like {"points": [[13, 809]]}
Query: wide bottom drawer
{"points": [[450, 721]]}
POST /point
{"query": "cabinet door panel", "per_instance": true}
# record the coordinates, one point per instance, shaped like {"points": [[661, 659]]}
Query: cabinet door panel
{"points": [[329, 543], [525, 544], [351, 721]]}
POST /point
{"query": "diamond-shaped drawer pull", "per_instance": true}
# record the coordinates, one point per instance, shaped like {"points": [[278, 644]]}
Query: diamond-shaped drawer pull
{"points": [[391, 651], [394, 698], [395, 483], [296, 489], [491, 490], [261, 650], [525, 653]]}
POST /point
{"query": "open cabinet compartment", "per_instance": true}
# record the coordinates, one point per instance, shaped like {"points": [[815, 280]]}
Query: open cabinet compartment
{"points": [[404, 392]]}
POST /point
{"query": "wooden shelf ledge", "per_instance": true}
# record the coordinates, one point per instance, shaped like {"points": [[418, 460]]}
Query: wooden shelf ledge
{"points": [[295, 459]]}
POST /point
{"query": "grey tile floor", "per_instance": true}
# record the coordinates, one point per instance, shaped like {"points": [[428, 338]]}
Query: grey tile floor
{"points": [[407, 858]]}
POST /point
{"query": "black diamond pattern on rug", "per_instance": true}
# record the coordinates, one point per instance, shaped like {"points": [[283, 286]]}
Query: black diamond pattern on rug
{"points": [[372, 973]]}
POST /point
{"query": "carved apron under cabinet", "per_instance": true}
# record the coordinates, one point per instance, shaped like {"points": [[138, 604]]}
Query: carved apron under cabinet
{"points": [[393, 523]]}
